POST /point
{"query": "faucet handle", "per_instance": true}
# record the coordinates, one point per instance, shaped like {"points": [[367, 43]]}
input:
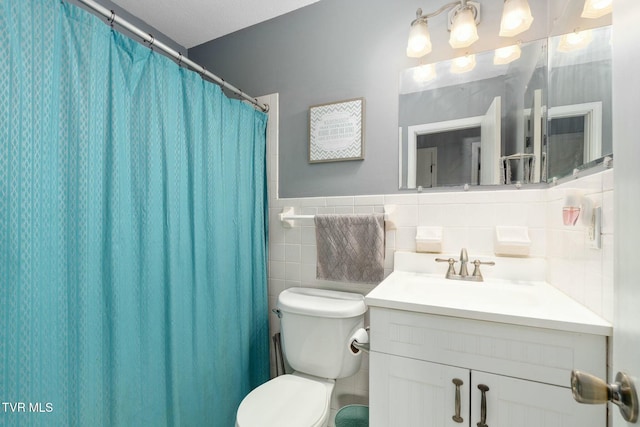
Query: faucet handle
{"points": [[476, 269], [451, 271]]}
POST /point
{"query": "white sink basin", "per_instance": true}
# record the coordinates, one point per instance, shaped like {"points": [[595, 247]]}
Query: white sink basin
{"points": [[527, 303], [466, 294]]}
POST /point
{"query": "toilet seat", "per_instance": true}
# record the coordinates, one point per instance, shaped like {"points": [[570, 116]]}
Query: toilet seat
{"points": [[287, 401]]}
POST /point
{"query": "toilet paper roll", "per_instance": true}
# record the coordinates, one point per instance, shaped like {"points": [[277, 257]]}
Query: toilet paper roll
{"points": [[361, 337]]}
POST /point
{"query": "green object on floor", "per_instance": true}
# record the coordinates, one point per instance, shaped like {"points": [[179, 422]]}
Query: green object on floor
{"points": [[353, 416]]}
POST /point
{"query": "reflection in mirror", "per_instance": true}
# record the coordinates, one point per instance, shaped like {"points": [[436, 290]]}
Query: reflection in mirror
{"points": [[457, 144], [468, 127], [579, 106], [534, 123], [551, 113]]}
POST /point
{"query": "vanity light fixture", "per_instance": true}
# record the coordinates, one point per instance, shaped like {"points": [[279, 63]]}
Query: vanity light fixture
{"points": [[464, 31], [463, 18], [575, 40], [516, 18], [463, 64], [597, 8], [424, 73], [419, 43], [506, 54]]}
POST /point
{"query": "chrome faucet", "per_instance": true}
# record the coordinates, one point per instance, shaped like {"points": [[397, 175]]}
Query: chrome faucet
{"points": [[463, 274]]}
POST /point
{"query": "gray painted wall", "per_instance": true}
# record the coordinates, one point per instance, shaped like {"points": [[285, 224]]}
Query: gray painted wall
{"points": [[335, 50]]}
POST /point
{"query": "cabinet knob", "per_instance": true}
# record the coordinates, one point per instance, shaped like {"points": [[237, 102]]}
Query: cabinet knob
{"points": [[589, 389]]}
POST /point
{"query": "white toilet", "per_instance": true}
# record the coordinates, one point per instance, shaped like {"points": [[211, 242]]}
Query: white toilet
{"points": [[317, 327]]}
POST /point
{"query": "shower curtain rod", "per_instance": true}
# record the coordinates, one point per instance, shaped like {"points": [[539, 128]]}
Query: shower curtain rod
{"points": [[148, 38]]}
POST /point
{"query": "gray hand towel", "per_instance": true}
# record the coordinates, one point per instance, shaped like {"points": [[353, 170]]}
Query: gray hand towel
{"points": [[350, 248]]}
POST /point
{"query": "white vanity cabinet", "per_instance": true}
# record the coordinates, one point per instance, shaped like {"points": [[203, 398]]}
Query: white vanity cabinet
{"points": [[525, 371]]}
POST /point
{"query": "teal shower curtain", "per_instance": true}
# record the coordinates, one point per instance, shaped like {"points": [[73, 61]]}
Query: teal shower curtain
{"points": [[133, 229]]}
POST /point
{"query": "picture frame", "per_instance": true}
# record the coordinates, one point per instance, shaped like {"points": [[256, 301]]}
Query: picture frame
{"points": [[336, 131]]}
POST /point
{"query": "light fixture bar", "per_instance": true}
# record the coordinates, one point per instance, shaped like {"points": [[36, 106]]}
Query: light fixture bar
{"points": [[446, 7], [464, 30]]}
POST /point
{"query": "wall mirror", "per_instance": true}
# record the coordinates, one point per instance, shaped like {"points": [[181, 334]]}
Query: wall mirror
{"points": [[578, 131], [458, 127], [539, 117]]}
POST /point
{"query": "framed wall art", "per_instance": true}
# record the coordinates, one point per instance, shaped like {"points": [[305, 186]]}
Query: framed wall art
{"points": [[336, 131]]}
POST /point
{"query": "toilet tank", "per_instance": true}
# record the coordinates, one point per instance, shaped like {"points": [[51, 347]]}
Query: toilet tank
{"points": [[317, 327]]}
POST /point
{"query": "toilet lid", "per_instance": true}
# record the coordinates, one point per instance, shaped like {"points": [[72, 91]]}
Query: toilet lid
{"points": [[285, 401]]}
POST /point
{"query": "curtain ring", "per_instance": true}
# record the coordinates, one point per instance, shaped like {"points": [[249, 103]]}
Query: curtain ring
{"points": [[112, 18], [151, 41], [179, 59]]}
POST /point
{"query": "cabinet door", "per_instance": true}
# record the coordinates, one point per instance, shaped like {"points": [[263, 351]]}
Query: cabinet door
{"points": [[514, 402], [412, 393]]}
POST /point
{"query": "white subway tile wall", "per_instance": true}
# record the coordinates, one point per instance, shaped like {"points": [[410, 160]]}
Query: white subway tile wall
{"points": [[468, 220], [581, 272]]}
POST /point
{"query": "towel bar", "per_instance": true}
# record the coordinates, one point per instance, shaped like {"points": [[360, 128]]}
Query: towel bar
{"points": [[287, 216]]}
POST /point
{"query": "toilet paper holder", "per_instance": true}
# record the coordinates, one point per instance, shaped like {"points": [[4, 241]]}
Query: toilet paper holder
{"points": [[360, 341]]}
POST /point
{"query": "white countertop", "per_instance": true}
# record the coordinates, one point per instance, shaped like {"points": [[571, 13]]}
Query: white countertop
{"points": [[526, 303]]}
